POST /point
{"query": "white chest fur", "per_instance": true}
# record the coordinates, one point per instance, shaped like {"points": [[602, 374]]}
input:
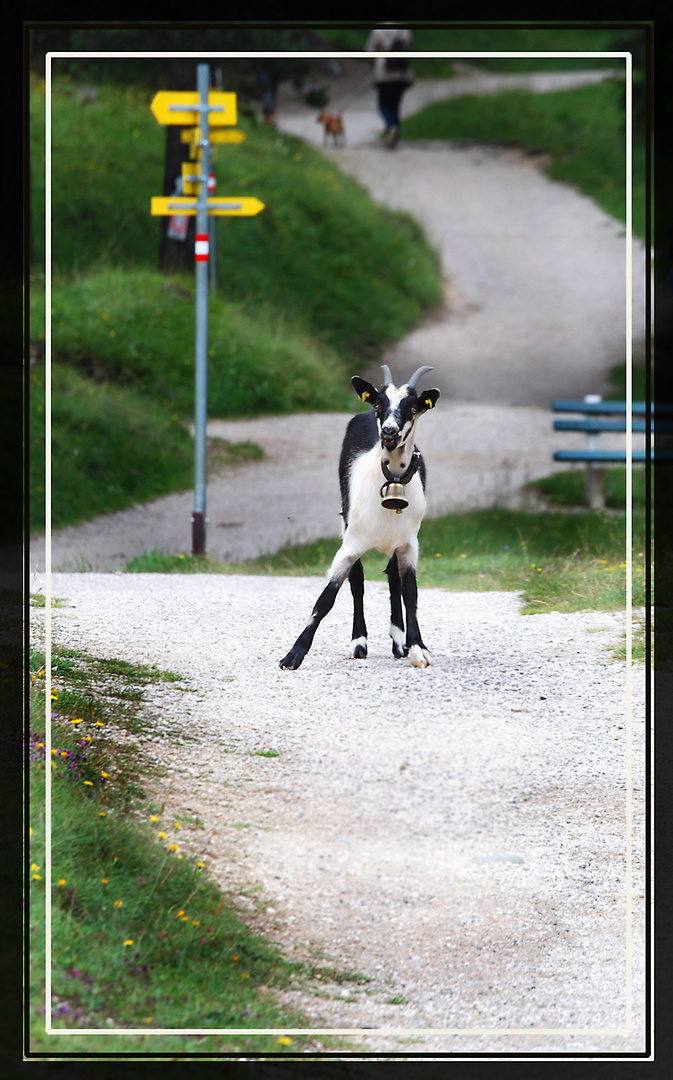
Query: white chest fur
{"points": [[370, 522]]}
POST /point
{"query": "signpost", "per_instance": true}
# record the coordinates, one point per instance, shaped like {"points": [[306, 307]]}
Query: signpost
{"points": [[200, 110], [246, 206], [188, 107]]}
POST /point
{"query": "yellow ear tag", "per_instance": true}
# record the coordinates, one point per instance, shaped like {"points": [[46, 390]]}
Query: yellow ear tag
{"points": [[364, 395], [429, 403]]}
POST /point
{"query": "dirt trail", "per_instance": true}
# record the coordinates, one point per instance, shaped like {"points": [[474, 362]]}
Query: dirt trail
{"points": [[456, 835]]}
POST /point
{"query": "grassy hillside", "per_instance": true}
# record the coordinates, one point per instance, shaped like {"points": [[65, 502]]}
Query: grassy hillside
{"points": [[308, 292]]}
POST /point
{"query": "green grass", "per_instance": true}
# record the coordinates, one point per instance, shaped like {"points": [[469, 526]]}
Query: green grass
{"points": [[582, 129], [134, 329], [110, 450], [140, 932], [558, 561], [567, 488]]}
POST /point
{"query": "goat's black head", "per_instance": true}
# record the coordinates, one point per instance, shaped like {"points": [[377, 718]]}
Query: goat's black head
{"points": [[396, 408]]}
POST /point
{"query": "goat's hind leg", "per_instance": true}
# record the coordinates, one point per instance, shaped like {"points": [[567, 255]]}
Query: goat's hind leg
{"points": [[356, 578], [418, 654], [396, 617]]}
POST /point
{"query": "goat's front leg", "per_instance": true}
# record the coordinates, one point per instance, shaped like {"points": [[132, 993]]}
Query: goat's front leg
{"points": [[356, 578], [339, 571], [418, 654]]}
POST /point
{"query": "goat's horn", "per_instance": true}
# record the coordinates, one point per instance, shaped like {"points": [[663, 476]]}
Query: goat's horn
{"points": [[416, 375], [387, 377]]}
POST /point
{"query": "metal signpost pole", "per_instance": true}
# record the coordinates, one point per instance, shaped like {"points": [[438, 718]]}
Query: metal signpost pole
{"points": [[201, 359], [193, 109]]}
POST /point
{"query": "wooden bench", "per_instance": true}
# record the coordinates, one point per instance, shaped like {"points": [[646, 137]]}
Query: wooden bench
{"points": [[598, 416]]}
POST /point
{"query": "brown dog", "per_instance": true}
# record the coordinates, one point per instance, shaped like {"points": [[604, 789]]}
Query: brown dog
{"points": [[333, 125]]}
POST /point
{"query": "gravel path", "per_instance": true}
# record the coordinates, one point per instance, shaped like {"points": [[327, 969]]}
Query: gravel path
{"points": [[457, 835]]}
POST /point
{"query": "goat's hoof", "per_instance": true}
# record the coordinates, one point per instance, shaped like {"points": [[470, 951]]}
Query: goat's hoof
{"points": [[293, 659], [358, 649], [419, 656], [399, 647]]}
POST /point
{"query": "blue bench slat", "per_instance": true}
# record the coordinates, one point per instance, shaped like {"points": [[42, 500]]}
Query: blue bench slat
{"points": [[609, 455], [596, 426], [615, 408]]}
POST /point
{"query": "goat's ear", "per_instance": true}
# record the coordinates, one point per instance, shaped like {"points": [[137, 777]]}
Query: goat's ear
{"points": [[427, 400], [364, 390]]}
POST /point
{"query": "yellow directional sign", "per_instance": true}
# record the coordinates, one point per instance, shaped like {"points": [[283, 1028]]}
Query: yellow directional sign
{"points": [[245, 207], [220, 206], [191, 171], [236, 136], [181, 107]]}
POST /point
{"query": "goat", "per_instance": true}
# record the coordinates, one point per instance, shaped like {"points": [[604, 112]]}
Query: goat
{"points": [[379, 444], [334, 126]]}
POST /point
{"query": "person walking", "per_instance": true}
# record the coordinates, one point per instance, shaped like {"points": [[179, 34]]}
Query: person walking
{"points": [[392, 75]]}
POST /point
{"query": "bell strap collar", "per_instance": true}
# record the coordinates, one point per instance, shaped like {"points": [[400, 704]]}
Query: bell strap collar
{"points": [[411, 470]]}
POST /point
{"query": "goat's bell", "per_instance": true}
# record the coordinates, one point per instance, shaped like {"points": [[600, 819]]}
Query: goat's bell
{"points": [[393, 497]]}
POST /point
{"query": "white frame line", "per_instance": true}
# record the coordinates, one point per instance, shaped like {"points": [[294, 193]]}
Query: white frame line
{"points": [[625, 56]]}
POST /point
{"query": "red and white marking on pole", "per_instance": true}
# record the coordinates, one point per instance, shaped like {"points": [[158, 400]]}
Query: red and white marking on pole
{"points": [[212, 183], [201, 247]]}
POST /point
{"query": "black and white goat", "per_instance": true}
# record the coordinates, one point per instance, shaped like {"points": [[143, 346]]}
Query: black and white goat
{"points": [[382, 479]]}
